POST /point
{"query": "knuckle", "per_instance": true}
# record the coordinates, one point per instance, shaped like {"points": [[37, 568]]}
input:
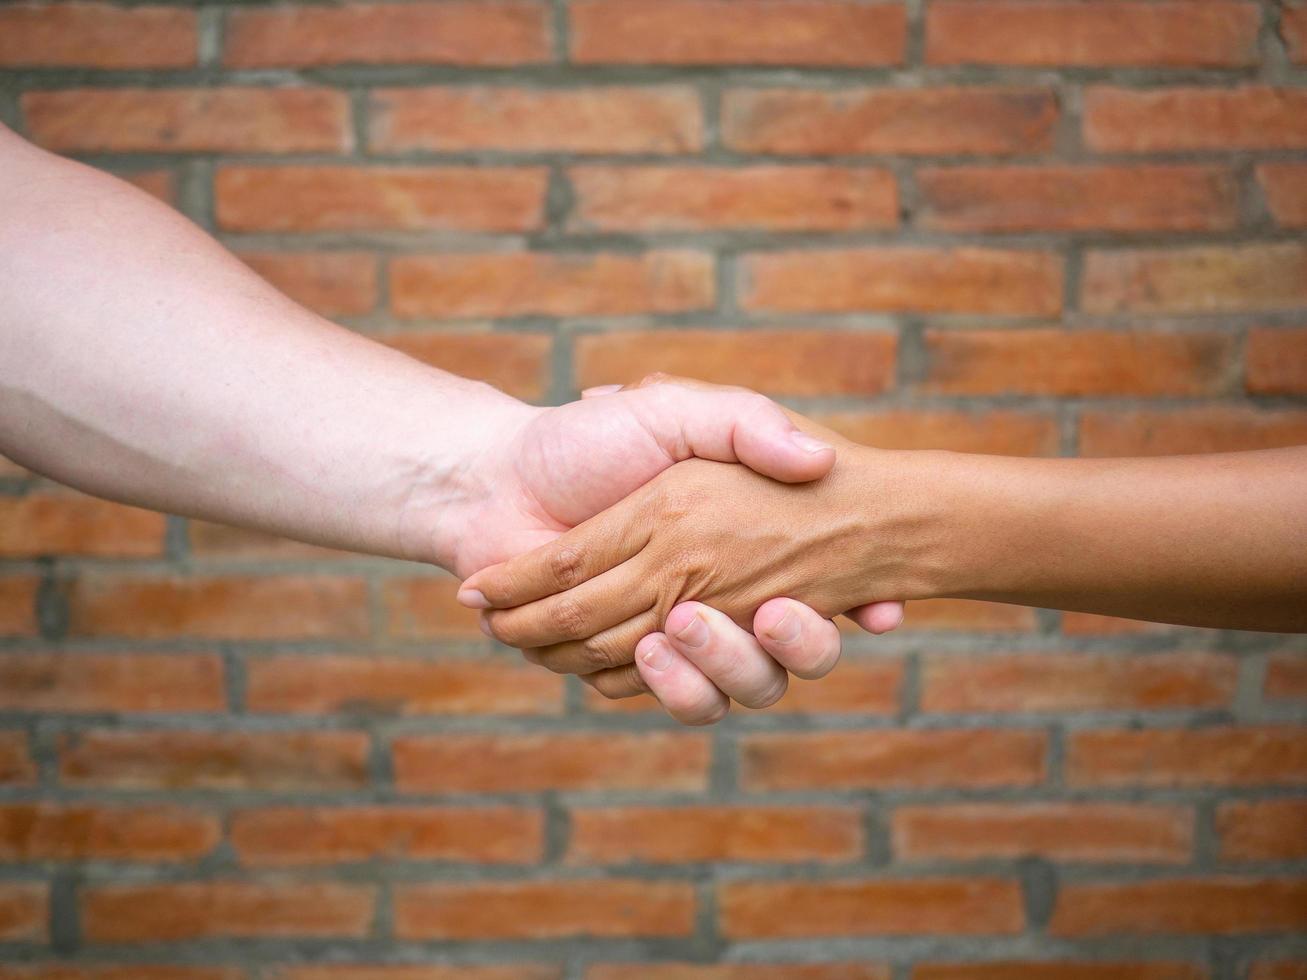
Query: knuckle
{"points": [[566, 567], [770, 694], [602, 654], [616, 685], [654, 378], [568, 618]]}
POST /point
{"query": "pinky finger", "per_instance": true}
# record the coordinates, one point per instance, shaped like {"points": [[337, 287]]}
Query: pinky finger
{"points": [[878, 617], [679, 685]]}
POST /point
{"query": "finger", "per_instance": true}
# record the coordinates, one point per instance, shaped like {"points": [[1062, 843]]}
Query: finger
{"points": [[619, 682], [729, 425], [679, 685], [598, 391], [801, 640], [613, 647], [608, 599], [603, 542], [878, 617], [727, 655]]}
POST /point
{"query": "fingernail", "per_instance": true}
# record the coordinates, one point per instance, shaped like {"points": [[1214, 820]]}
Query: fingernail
{"points": [[473, 599], [658, 656], [694, 633], [485, 626], [787, 630], [808, 444]]}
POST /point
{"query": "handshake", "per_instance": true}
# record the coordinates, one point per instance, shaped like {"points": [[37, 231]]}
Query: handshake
{"points": [[678, 538]]}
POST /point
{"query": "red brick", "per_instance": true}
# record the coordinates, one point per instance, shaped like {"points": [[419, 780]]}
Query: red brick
{"points": [[172, 760], [738, 971], [221, 541], [1293, 28], [56, 971], [461, 763], [1285, 187], [611, 908], [1275, 362], [1202, 430], [1263, 830], [73, 524], [1077, 363], [670, 835], [698, 198], [96, 35], [297, 836], [8, 468], [710, 32], [941, 121], [271, 608], [778, 362], [1286, 678], [221, 120], [517, 971], [1281, 970], [346, 198], [517, 363], [1085, 198], [1251, 756], [160, 184], [891, 759], [1077, 682], [376, 685], [66, 683], [23, 912], [1202, 279], [462, 32], [1217, 906], [18, 606], [225, 909], [330, 283], [1173, 120], [16, 765], [918, 907], [1058, 970], [79, 832], [514, 284], [969, 615], [903, 280], [1002, 433], [1058, 35], [612, 119], [1115, 832], [1091, 624], [427, 609]]}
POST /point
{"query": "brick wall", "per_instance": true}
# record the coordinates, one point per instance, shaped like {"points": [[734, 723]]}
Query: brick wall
{"points": [[1018, 226]]}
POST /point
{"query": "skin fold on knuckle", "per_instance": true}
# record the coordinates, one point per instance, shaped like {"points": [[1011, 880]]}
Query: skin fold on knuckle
{"points": [[566, 567]]}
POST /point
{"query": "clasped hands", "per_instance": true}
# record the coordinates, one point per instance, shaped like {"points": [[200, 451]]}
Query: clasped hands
{"points": [[702, 582]]}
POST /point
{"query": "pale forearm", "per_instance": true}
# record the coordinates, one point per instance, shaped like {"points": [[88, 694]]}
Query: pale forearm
{"points": [[144, 363]]}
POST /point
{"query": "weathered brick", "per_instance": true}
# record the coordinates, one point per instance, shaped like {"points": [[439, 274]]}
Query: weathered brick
{"points": [[330, 283], [1285, 187], [941, 121], [78, 832], [738, 971], [1077, 363], [1092, 624], [969, 615], [301, 836], [1252, 756], [1172, 120], [1215, 906], [1275, 362], [1263, 830], [1201, 279], [778, 362], [917, 907], [219, 541], [1108, 32], [135, 971], [1079, 198], [1200, 430], [24, 912], [308, 761], [754, 198], [225, 909], [611, 908], [517, 363], [191, 120], [1077, 682], [779, 32], [1058, 970], [427, 971], [274, 607], [459, 763], [427, 609], [515, 284], [64, 683], [346, 198], [462, 32], [73, 524], [1286, 678], [610, 119], [377, 685], [1002, 433], [1112, 832], [669, 835], [903, 280], [16, 765], [158, 183], [1279, 969], [1293, 28], [96, 35], [884, 759]]}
